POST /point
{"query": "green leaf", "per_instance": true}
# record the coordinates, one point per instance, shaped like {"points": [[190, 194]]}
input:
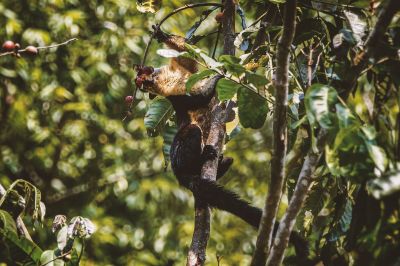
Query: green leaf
{"points": [[256, 79], [231, 64], [211, 63], [319, 101], [48, 257], [253, 108], [378, 155], [328, 5], [31, 196], [168, 53], [346, 217], [168, 137], [345, 117], [193, 79], [343, 224], [7, 221], [358, 24], [159, 112], [29, 249], [384, 186], [62, 237], [226, 89]]}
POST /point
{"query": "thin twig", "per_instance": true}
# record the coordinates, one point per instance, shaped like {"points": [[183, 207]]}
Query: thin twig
{"points": [[168, 16], [39, 47], [82, 249], [216, 42]]}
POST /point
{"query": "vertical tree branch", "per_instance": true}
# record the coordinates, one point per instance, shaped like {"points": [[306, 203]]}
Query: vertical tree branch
{"points": [[281, 85], [201, 234], [304, 182], [305, 179]]}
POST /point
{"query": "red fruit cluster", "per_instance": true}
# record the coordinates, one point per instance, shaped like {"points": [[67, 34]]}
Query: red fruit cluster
{"points": [[31, 50], [129, 99], [142, 72], [219, 17], [8, 46], [139, 81]]}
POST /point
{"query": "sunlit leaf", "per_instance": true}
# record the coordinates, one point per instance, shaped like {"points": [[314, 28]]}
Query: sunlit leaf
{"points": [[147, 6], [49, 258], [193, 79], [319, 101], [168, 53], [385, 186], [62, 237], [160, 110]]}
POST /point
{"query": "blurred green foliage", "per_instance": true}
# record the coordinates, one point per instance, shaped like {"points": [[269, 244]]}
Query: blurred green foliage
{"points": [[62, 129]]}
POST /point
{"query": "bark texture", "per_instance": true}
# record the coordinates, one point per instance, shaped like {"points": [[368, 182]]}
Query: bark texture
{"points": [[305, 179], [201, 234], [281, 85]]}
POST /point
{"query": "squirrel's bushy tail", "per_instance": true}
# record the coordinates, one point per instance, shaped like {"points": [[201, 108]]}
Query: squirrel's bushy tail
{"points": [[215, 195]]}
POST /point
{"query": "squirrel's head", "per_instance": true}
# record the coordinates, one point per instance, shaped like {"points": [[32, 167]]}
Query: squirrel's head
{"points": [[144, 77]]}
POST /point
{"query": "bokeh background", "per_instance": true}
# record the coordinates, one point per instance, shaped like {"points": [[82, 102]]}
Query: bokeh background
{"points": [[61, 128]]}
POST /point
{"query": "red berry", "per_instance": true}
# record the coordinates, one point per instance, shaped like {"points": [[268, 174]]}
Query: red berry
{"points": [[129, 99], [8, 46], [139, 81], [147, 70], [32, 50], [219, 17]]}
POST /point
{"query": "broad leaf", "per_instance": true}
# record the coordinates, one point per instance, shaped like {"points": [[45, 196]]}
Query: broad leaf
{"points": [[211, 63], [193, 79], [327, 5], [31, 196], [21, 245], [62, 237], [345, 117], [253, 108], [357, 24], [232, 64], [7, 222], [385, 186], [377, 154], [168, 137], [168, 53], [159, 112], [226, 89], [49, 258], [319, 101], [256, 79]]}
